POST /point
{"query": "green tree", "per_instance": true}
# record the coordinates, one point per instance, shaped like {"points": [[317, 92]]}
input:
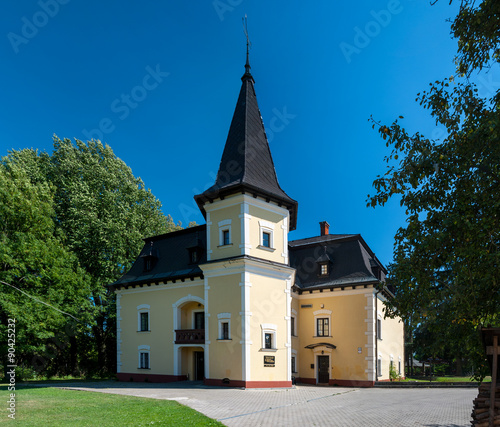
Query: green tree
{"points": [[104, 212], [447, 256], [101, 213], [41, 283]]}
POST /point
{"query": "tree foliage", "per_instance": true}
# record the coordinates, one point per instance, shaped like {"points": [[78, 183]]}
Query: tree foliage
{"points": [[446, 259], [96, 213], [35, 267]]}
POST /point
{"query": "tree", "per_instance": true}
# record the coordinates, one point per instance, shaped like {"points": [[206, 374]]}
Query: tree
{"points": [[101, 213], [104, 212], [42, 286], [446, 259]]}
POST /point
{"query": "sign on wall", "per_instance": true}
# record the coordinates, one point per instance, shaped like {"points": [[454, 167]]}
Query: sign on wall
{"points": [[269, 361]]}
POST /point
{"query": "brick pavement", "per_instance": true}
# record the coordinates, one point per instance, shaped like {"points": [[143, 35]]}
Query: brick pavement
{"points": [[310, 406]]}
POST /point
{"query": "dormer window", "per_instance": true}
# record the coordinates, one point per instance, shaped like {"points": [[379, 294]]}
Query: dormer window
{"points": [[324, 269], [150, 258], [194, 255], [149, 262], [324, 264]]}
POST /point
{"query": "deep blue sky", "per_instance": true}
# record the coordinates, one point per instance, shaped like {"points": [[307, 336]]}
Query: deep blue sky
{"points": [[321, 69]]}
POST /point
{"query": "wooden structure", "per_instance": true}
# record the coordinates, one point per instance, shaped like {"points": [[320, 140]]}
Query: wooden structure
{"points": [[486, 411]]}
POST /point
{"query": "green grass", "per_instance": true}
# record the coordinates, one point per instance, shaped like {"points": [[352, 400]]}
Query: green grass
{"points": [[37, 406]]}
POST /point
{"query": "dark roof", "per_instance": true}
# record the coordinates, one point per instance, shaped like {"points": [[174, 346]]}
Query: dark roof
{"points": [[247, 164], [170, 257], [349, 258]]}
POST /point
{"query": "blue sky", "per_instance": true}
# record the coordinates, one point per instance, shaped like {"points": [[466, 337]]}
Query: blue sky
{"points": [[158, 82]]}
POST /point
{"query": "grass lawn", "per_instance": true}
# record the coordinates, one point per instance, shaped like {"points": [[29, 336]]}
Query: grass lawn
{"points": [[37, 406]]}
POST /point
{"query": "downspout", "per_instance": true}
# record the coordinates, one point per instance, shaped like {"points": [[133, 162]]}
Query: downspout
{"points": [[376, 334]]}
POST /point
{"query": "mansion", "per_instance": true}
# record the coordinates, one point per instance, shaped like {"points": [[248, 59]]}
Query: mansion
{"points": [[234, 303]]}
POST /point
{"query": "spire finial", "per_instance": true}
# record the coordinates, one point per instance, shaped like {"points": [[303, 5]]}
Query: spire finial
{"points": [[245, 28]]}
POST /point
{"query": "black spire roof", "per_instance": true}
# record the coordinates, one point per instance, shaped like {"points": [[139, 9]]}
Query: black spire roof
{"points": [[247, 165]]}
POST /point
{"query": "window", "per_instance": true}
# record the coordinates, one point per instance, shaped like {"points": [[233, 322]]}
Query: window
{"points": [[268, 340], [193, 255], [292, 326], [399, 365], [323, 327], [379, 328], [224, 326], [379, 367], [266, 230], [144, 360], [266, 239], [268, 336], [324, 269], [143, 318], [225, 232], [224, 331], [293, 365], [144, 321]]}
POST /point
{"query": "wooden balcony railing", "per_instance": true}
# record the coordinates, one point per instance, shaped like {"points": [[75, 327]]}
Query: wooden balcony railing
{"points": [[190, 336]]}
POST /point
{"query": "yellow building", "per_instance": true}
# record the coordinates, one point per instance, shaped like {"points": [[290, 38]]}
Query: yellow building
{"points": [[233, 302]]}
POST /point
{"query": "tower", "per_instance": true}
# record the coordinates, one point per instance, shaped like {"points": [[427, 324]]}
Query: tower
{"points": [[247, 275]]}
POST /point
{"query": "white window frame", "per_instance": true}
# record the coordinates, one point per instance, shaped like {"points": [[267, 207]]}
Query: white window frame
{"points": [[379, 366], [144, 349], [224, 318], [269, 328], [321, 314], [143, 308], [266, 227], [399, 365], [225, 225]]}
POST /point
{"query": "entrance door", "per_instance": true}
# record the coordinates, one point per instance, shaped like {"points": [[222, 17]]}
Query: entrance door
{"points": [[323, 369], [199, 366]]}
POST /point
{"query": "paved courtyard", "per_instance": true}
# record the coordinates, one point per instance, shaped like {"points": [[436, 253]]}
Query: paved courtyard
{"points": [[310, 406]]}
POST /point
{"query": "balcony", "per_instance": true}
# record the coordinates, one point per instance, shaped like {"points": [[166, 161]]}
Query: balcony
{"points": [[190, 336]]}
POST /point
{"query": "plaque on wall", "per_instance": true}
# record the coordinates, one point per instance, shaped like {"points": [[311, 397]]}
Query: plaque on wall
{"points": [[269, 361]]}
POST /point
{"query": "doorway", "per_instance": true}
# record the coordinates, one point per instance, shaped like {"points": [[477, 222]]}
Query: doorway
{"points": [[199, 366], [323, 369], [199, 320]]}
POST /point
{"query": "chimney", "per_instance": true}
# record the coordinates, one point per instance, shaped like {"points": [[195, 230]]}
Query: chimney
{"points": [[324, 226]]}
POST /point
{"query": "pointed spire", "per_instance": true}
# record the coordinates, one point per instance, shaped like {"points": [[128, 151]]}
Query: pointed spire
{"points": [[247, 165], [247, 74]]}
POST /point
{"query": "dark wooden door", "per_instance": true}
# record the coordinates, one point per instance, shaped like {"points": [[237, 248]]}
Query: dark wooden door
{"points": [[199, 320], [199, 366], [323, 369]]}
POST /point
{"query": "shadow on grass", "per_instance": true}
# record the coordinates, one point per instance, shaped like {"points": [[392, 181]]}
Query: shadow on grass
{"points": [[113, 383]]}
